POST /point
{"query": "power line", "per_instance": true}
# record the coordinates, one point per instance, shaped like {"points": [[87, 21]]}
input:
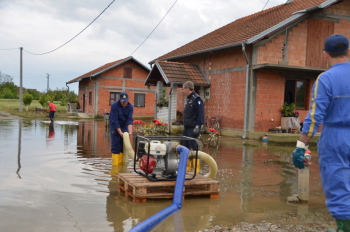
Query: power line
{"points": [[8, 48], [154, 28], [74, 36], [257, 15]]}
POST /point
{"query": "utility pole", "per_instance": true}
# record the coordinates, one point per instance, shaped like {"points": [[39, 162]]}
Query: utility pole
{"points": [[20, 81], [47, 75]]}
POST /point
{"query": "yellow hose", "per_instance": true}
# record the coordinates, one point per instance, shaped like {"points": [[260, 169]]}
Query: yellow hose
{"points": [[127, 148], [129, 152], [209, 160]]}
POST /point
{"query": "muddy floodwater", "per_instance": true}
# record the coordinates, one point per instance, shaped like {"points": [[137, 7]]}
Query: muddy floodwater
{"points": [[60, 178]]}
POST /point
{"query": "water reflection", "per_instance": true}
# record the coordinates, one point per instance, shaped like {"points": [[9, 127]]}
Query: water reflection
{"points": [[19, 147], [67, 168]]}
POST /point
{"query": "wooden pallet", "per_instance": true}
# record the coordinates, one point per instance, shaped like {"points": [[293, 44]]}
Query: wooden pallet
{"points": [[140, 188]]}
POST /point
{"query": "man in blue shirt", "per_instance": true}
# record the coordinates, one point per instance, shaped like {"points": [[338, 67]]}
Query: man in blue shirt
{"points": [[193, 115], [330, 105], [120, 121]]}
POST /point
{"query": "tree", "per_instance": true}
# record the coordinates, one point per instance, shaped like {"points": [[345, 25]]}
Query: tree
{"points": [[8, 90], [44, 98], [5, 78], [27, 99], [35, 93]]}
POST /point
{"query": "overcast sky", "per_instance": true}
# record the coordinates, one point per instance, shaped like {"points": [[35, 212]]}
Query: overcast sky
{"points": [[40, 26]]}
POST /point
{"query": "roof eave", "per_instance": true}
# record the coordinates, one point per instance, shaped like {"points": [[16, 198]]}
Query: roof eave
{"points": [[161, 73]]}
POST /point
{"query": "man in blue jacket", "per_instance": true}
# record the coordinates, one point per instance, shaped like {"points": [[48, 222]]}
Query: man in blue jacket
{"points": [[120, 121], [193, 115], [330, 105]]}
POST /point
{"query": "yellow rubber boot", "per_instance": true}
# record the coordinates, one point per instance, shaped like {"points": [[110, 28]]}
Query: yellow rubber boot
{"points": [[188, 165], [198, 166], [117, 159]]}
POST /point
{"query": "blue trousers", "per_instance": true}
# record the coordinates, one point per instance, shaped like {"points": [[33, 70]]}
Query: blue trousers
{"points": [[117, 141], [52, 115], [334, 159], [190, 144]]}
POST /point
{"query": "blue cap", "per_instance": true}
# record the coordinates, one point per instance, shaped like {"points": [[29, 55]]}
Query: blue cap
{"points": [[330, 45], [124, 96]]}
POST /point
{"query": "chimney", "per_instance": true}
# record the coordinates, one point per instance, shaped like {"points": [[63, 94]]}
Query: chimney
{"points": [[288, 1]]}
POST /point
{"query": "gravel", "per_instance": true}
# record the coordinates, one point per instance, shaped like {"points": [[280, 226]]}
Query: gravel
{"points": [[266, 226]]}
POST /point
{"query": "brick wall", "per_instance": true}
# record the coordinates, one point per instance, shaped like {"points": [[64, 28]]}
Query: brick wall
{"points": [[297, 42], [269, 100], [340, 8], [272, 52]]}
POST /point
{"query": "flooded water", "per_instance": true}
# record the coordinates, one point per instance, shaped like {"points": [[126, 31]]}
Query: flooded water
{"points": [[59, 178]]}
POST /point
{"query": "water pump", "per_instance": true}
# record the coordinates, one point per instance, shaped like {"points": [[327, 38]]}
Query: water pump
{"points": [[157, 160]]}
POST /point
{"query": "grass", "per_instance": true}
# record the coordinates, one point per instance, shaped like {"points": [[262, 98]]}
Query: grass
{"points": [[12, 106]]}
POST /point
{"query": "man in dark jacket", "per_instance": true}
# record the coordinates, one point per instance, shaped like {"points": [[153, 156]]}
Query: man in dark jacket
{"points": [[120, 121], [193, 115]]}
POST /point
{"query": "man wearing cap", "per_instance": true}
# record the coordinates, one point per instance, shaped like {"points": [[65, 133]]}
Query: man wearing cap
{"points": [[52, 108], [330, 105], [120, 121]]}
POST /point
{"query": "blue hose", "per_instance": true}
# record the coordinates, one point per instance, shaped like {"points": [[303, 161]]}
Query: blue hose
{"points": [[177, 200]]}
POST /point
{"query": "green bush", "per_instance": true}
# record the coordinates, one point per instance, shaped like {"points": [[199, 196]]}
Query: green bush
{"points": [[288, 109], [27, 99]]}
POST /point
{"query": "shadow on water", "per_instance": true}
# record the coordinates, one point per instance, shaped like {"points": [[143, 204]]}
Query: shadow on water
{"points": [[60, 178]]}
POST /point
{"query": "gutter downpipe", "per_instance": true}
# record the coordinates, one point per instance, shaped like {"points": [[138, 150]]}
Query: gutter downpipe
{"points": [[68, 91], [94, 93], [246, 93], [155, 103], [169, 110]]}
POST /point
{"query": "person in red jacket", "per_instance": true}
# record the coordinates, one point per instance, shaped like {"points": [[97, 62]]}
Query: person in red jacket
{"points": [[52, 110]]}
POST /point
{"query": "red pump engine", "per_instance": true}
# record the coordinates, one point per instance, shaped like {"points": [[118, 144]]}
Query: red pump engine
{"points": [[143, 164]]}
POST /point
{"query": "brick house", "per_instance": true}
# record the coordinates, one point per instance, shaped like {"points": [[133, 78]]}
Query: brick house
{"points": [[109, 80], [258, 62], [172, 74]]}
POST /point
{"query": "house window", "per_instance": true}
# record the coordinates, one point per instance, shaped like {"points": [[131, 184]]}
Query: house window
{"points": [[139, 99], [90, 98], [127, 72], [296, 92], [113, 97]]}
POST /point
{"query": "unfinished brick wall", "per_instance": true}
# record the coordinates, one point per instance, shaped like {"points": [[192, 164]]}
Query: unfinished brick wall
{"points": [[297, 42], [227, 90], [269, 100], [272, 52], [343, 27], [340, 8]]}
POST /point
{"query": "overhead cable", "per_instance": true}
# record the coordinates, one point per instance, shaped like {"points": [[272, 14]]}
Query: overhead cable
{"points": [[154, 28], [8, 48], [74, 36], [257, 15]]}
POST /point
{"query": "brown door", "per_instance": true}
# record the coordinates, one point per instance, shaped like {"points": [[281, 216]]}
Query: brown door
{"points": [[83, 103]]}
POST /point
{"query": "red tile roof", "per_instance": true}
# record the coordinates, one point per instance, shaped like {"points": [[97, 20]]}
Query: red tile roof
{"points": [[106, 67], [242, 29], [176, 72]]}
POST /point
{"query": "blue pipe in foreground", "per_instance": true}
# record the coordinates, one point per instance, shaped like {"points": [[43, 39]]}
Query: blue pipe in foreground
{"points": [[177, 200]]}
